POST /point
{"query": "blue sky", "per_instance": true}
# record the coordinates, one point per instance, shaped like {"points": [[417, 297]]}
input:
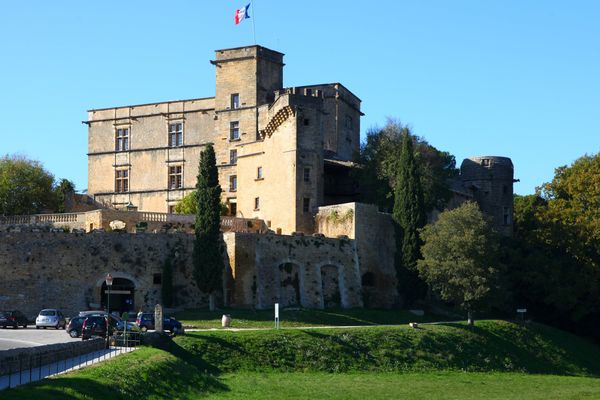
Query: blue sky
{"points": [[513, 78]]}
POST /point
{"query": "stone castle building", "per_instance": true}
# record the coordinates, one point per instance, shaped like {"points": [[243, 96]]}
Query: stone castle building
{"points": [[281, 152], [284, 157]]}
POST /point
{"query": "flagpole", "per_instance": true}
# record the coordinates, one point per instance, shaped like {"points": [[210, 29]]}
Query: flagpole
{"points": [[253, 16]]}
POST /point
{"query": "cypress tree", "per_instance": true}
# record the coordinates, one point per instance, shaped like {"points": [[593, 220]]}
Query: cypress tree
{"points": [[208, 248], [409, 215]]}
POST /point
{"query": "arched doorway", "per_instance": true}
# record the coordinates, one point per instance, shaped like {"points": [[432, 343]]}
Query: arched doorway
{"points": [[122, 295], [330, 283], [289, 295]]}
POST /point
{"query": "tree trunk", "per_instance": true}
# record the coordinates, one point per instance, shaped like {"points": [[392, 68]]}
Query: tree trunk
{"points": [[211, 301], [470, 320]]}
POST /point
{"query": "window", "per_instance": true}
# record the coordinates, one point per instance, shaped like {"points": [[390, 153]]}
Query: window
{"points": [[233, 183], [259, 173], [175, 134], [504, 189], [348, 122], [306, 122], [157, 279], [175, 177], [234, 130], [485, 162], [235, 100], [121, 181], [232, 156], [172, 209], [506, 216], [257, 203], [122, 139], [306, 204], [306, 174], [232, 208]]}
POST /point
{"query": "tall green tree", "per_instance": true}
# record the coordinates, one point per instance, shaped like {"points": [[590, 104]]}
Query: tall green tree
{"points": [[379, 157], [208, 247], [460, 258], [409, 215], [25, 186]]}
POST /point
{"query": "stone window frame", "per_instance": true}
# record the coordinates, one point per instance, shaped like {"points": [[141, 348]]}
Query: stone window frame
{"points": [[505, 216], [234, 131], [121, 180], [122, 139], [306, 205], [256, 203], [235, 101], [175, 176], [259, 173], [175, 134], [233, 157], [306, 174], [233, 183]]}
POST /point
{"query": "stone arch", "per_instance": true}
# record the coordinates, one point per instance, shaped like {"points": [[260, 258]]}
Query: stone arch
{"points": [[332, 284], [291, 283], [122, 293]]}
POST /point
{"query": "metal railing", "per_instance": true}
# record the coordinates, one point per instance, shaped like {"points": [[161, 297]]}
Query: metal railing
{"points": [[35, 367]]}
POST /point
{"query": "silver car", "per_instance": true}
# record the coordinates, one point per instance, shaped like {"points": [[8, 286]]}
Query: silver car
{"points": [[52, 318]]}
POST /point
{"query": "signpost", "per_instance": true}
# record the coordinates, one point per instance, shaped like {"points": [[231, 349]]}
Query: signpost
{"points": [[109, 282], [276, 315], [521, 312]]}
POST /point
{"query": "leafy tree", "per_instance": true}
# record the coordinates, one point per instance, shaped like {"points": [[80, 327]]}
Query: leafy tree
{"points": [[554, 258], [63, 192], [208, 249], [460, 257], [379, 156], [409, 215], [188, 205], [25, 186]]}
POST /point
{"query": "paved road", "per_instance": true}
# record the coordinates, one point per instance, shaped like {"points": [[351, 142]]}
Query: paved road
{"points": [[15, 338]]}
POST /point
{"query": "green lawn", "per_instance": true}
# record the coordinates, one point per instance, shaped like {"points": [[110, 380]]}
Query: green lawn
{"points": [[300, 317], [493, 360], [425, 386]]}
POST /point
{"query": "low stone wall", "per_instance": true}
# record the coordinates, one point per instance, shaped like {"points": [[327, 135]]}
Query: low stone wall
{"points": [[32, 357]]}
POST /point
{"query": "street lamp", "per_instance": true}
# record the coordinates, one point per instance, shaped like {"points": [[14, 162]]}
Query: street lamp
{"points": [[109, 282]]}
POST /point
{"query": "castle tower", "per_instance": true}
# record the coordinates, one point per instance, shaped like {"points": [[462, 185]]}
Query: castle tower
{"points": [[490, 178]]}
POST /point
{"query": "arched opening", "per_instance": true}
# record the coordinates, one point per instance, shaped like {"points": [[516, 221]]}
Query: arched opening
{"points": [[330, 282], [122, 295], [290, 284]]}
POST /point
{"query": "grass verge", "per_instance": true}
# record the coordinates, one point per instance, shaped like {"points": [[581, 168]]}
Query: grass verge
{"points": [[242, 318]]}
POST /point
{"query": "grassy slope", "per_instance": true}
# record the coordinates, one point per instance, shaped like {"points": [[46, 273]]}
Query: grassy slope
{"points": [[254, 362], [489, 346], [431, 386], [293, 318]]}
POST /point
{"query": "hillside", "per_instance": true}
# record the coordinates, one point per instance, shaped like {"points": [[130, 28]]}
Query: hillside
{"points": [[499, 357]]}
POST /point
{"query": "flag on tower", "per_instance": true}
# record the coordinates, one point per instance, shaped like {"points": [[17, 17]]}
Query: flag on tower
{"points": [[241, 14]]}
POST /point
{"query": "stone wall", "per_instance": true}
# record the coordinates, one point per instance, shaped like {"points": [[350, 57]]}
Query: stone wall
{"points": [[67, 270], [312, 272], [14, 360]]}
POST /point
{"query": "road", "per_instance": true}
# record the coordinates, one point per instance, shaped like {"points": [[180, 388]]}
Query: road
{"points": [[15, 338]]}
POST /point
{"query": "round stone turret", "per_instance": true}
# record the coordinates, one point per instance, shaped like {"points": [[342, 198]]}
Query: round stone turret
{"points": [[490, 178]]}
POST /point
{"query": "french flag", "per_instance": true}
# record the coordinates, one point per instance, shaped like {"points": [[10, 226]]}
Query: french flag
{"points": [[241, 14]]}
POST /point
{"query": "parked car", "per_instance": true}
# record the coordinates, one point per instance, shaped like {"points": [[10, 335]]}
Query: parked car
{"points": [[98, 325], [13, 318], [146, 321], [92, 312], [131, 326], [50, 317], [74, 326]]}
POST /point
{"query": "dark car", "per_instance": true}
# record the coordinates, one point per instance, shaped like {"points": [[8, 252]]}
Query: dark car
{"points": [[13, 318], [74, 326], [146, 321], [98, 325]]}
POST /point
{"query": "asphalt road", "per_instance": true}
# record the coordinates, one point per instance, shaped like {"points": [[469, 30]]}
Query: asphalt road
{"points": [[15, 338]]}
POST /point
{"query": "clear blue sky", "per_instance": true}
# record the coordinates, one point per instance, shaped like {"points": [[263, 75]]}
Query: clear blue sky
{"points": [[513, 78]]}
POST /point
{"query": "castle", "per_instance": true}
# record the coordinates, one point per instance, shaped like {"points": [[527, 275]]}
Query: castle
{"points": [[284, 157]]}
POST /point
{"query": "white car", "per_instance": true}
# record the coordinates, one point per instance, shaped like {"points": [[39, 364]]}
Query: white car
{"points": [[52, 318]]}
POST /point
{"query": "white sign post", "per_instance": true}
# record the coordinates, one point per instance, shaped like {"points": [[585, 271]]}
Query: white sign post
{"points": [[521, 312], [276, 315]]}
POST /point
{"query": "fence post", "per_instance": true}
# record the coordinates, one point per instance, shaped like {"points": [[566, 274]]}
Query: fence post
{"points": [[20, 369], [30, 368]]}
